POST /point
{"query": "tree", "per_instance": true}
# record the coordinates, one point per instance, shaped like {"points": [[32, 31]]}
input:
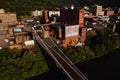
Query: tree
{"points": [[79, 54], [20, 64], [24, 7]]}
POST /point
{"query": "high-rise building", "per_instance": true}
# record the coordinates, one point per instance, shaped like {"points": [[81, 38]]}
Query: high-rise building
{"points": [[65, 35], [72, 17], [97, 10]]}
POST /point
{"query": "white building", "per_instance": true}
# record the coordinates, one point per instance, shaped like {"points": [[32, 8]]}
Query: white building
{"points": [[98, 10], [57, 13], [2, 11], [37, 13]]}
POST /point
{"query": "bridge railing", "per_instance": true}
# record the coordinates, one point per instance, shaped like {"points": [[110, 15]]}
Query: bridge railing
{"points": [[52, 44], [56, 47], [41, 42]]}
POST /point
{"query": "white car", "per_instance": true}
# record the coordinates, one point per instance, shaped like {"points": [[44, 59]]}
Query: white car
{"points": [[0, 47], [89, 29]]}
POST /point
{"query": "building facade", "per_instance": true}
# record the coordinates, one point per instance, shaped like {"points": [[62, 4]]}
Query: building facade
{"points": [[72, 17], [65, 36], [7, 19], [2, 11], [109, 12], [36, 13], [97, 10]]}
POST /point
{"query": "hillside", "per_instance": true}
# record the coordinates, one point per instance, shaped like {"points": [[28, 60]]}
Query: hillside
{"points": [[79, 3], [23, 7]]}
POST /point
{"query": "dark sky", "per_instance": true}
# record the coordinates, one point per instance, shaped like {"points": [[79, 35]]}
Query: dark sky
{"points": [[105, 3]]}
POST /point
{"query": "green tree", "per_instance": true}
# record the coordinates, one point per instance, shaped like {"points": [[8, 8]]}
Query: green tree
{"points": [[79, 54], [24, 7], [20, 64], [103, 41]]}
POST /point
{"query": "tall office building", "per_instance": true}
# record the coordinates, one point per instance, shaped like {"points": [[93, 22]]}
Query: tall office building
{"points": [[97, 10], [72, 17]]}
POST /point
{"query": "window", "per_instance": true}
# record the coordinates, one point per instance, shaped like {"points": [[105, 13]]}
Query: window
{"points": [[0, 21]]}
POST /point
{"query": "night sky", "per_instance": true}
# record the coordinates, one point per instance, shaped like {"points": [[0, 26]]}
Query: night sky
{"points": [[105, 3]]}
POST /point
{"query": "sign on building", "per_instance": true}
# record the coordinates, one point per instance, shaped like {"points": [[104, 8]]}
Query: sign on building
{"points": [[71, 30], [17, 29]]}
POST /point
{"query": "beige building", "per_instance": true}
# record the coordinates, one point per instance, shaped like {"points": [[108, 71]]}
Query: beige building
{"points": [[36, 13], [51, 13], [20, 39], [98, 10], [2, 11], [7, 19]]}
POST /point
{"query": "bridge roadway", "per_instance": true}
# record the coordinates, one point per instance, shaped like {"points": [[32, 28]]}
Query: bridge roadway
{"points": [[71, 72]]}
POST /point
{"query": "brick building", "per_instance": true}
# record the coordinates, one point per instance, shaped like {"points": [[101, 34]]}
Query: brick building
{"points": [[46, 16], [71, 35], [56, 31], [68, 31], [7, 19], [83, 32], [109, 12], [15, 28], [65, 35], [21, 37], [72, 17], [18, 34]]}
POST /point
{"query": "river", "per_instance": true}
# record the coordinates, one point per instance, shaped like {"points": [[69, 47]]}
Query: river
{"points": [[106, 67]]}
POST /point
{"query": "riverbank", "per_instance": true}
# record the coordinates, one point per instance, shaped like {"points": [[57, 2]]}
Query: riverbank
{"points": [[106, 67]]}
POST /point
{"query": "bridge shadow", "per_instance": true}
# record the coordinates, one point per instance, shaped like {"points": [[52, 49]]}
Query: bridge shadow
{"points": [[50, 62], [54, 72]]}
